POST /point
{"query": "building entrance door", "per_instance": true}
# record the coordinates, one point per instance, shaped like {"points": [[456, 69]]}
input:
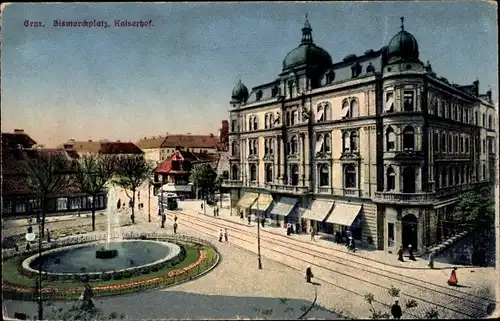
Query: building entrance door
{"points": [[410, 231]]}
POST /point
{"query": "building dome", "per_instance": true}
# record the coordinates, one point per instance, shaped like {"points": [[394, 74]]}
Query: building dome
{"points": [[307, 53], [402, 47], [240, 92]]}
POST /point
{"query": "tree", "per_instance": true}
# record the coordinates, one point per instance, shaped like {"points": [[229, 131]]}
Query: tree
{"points": [[80, 313], [132, 172], [475, 212], [92, 174], [394, 293], [48, 173], [203, 176]]}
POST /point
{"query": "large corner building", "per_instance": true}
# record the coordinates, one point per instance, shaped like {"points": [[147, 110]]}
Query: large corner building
{"points": [[376, 144]]}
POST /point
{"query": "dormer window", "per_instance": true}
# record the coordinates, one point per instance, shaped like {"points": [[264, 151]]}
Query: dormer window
{"points": [[330, 77], [356, 70], [275, 91], [258, 95], [370, 68]]}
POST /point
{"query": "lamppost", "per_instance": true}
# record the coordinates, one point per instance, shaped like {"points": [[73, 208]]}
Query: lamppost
{"points": [[30, 236], [149, 200], [258, 233]]}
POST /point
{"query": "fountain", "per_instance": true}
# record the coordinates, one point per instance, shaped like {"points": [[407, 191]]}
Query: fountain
{"points": [[113, 226]]}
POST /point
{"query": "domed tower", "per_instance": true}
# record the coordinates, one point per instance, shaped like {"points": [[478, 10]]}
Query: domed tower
{"points": [[306, 60], [239, 95], [403, 51]]}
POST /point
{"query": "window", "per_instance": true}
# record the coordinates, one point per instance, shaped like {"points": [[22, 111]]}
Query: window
{"points": [[391, 179], [457, 175], [490, 122], [253, 172], [290, 88], [354, 112], [266, 146], [450, 143], [444, 179], [460, 115], [320, 114], [294, 169], [390, 234], [252, 147], [408, 101], [324, 175], [235, 175], [490, 146], [319, 143], [483, 120], [287, 118], [233, 125], [328, 112], [448, 109], [327, 144], [258, 95], [344, 113], [356, 70], [354, 141], [435, 142], [476, 114], [266, 121], [466, 114], [330, 77], [467, 145], [454, 116], [7, 207], [389, 102], [269, 173], [408, 138], [484, 146], [20, 207], [294, 145], [250, 123], [455, 144], [255, 123], [442, 108], [390, 138], [409, 180], [274, 91], [484, 171], [346, 143], [271, 121], [350, 176], [461, 143], [294, 119], [234, 148]]}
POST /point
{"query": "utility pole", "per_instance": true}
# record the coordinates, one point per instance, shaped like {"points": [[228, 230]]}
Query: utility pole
{"points": [[149, 200], [258, 232]]}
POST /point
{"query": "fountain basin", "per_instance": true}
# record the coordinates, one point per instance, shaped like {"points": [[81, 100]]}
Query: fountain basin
{"points": [[79, 261], [104, 254]]}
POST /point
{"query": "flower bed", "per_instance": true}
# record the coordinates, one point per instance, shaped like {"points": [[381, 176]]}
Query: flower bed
{"points": [[207, 258]]}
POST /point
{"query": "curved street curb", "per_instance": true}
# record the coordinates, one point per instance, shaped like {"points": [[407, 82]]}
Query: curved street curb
{"points": [[312, 304]]}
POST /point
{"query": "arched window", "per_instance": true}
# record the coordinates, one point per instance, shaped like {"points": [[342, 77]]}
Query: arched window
{"points": [[354, 109], [409, 180], [327, 145], [435, 142], [250, 123], [350, 176], [442, 109], [391, 179], [408, 138], [266, 146], [443, 142], [271, 121], [269, 173], [253, 172], [294, 145], [455, 144], [266, 121], [345, 110], [484, 171], [324, 175], [328, 112], [321, 113], [457, 175], [255, 123], [346, 143], [448, 109], [450, 143], [444, 181], [295, 174], [390, 139], [287, 118], [234, 148], [295, 118], [354, 141], [490, 122], [235, 175]]}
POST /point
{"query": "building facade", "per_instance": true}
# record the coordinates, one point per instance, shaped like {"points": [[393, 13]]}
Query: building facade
{"points": [[103, 147], [377, 146], [152, 148]]}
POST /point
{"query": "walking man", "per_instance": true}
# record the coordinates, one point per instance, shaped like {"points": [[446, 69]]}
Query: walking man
{"points": [[431, 260], [175, 218], [309, 274], [225, 234], [48, 236], [220, 235], [249, 219], [163, 219], [410, 251], [215, 211], [175, 228], [400, 254], [312, 232], [396, 310]]}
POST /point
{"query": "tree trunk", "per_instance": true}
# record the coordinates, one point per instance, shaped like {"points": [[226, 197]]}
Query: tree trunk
{"points": [[93, 212], [42, 215], [132, 217]]}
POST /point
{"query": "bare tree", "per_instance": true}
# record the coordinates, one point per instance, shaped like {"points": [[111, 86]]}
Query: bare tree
{"points": [[48, 173], [132, 172], [92, 174]]}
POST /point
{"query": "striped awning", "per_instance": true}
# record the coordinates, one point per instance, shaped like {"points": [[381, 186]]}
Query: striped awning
{"points": [[262, 203], [318, 210], [284, 206], [247, 200], [344, 214]]}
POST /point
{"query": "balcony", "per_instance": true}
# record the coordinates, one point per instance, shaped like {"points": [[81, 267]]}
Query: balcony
{"points": [[324, 190], [288, 188], [403, 198], [351, 192], [231, 183]]}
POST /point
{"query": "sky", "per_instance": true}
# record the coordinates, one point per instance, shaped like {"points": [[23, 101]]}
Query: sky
{"points": [[177, 74]]}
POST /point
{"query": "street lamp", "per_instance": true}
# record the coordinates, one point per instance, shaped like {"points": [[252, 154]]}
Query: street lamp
{"points": [[149, 200], [258, 233], [30, 236]]}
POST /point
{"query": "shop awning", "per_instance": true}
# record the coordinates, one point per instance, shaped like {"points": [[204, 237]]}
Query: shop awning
{"points": [[344, 214], [446, 203], [284, 206], [318, 210], [262, 203], [247, 200]]}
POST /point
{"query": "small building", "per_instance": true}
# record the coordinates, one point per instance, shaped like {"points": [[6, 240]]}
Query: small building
{"points": [[152, 148], [103, 147], [207, 144]]}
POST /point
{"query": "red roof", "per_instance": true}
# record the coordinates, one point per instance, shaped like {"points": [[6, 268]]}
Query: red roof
{"points": [[190, 141], [119, 148], [181, 156]]}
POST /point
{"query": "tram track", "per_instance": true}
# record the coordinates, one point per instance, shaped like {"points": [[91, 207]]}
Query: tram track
{"points": [[353, 270]]}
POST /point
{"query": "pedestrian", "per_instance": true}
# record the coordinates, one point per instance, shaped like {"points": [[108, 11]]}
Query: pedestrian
{"points": [[249, 219], [396, 310], [410, 251], [16, 248], [453, 277], [175, 218], [431, 260], [312, 232], [241, 215], [220, 235], [163, 219], [175, 228], [201, 206], [218, 211], [288, 228], [297, 228], [225, 234], [262, 221], [118, 204], [215, 211], [48, 236], [28, 246], [351, 246], [309, 274], [400, 254]]}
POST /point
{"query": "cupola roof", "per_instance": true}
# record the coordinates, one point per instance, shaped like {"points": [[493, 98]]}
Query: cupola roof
{"points": [[402, 47]]}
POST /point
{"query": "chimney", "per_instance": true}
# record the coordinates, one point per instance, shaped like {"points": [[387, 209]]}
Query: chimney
{"points": [[488, 93], [475, 88], [18, 131]]}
